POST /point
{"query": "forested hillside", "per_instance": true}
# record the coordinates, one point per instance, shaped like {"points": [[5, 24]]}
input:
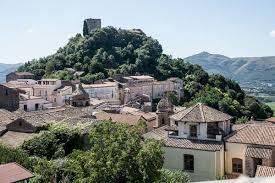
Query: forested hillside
{"points": [[110, 51]]}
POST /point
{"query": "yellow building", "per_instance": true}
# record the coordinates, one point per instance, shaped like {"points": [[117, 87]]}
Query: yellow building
{"points": [[247, 148], [193, 142], [200, 141]]}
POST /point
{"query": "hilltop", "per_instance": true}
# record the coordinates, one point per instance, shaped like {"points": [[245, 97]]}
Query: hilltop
{"points": [[108, 51]]}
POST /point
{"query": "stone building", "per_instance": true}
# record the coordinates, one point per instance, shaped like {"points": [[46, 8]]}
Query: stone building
{"points": [[9, 98], [134, 86], [33, 103], [164, 110], [91, 25], [107, 91], [79, 97], [13, 76]]}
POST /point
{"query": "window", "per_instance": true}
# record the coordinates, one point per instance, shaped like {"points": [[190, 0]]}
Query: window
{"points": [[36, 106], [237, 165], [25, 107], [212, 130], [163, 121], [173, 133], [189, 162], [7, 92], [176, 123], [193, 130]]}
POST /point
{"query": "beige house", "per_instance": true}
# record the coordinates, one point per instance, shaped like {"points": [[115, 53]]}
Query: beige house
{"points": [[201, 141], [248, 148], [193, 141]]}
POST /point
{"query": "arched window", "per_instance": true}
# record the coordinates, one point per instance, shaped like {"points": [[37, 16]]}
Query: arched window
{"points": [[237, 165]]}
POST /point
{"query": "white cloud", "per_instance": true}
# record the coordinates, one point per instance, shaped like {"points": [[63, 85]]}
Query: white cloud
{"points": [[30, 30], [272, 33]]}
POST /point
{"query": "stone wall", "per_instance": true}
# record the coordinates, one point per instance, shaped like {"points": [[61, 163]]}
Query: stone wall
{"points": [[9, 98], [91, 25]]}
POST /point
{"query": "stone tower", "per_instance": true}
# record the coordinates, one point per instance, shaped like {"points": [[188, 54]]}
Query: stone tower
{"points": [[91, 25], [164, 110]]}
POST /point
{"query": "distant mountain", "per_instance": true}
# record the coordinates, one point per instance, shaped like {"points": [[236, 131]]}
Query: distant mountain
{"points": [[7, 68], [242, 69]]}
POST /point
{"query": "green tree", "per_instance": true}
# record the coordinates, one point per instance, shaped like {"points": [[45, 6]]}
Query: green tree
{"points": [[117, 154], [8, 155]]}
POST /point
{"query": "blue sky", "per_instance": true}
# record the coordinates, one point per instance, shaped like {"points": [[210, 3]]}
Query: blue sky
{"points": [[35, 28]]}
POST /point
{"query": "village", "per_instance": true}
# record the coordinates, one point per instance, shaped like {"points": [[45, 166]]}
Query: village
{"points": [[198, 139]]}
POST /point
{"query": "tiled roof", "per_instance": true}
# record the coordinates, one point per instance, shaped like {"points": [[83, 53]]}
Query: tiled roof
{"points": [[44, 117], [240, 126], [121, 118], [12, 172], [24, 73], [201, 113], [162, 134], [15, 139], [255, 152], [254, 134], [265, 171], [272, 119]]}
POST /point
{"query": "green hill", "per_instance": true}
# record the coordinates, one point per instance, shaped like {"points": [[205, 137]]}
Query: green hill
{"points": [[242, 69], [109, 51]]}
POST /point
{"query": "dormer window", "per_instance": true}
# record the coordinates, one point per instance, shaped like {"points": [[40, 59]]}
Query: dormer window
{"points": [[173, 133], [193, 131]]}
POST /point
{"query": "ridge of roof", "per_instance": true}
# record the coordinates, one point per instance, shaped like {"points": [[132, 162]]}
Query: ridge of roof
{"points": [[202, 112]]}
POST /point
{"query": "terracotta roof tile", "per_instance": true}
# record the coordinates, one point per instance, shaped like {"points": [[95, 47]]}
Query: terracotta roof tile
{"points": [[122, 118], [24, 73], [201, 113], [253, 134], [272, 119], [12, 172], [162, 134], [255, 152], [265, 171]]}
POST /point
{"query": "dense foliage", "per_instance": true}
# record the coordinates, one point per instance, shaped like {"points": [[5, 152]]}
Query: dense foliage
{"points": [[169, 176], [109, 51], [9, 154], [55, 143], [116, 153]]}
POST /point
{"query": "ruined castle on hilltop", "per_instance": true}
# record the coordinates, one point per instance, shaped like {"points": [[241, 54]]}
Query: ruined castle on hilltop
{"points": [[91, 25]]}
